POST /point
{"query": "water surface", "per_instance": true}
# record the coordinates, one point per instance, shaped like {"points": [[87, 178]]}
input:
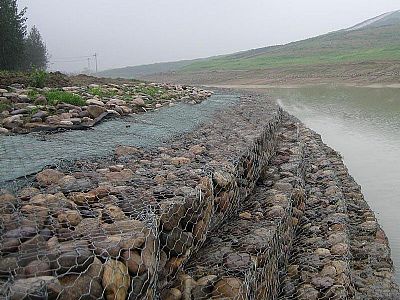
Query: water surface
{"points": [[363, 124]]}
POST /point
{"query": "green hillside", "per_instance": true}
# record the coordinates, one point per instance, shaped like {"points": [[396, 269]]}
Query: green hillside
{"points": [[374, 40], [371, 43]]}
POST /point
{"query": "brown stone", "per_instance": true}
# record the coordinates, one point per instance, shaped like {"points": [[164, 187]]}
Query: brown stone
{"points": [[69, 218], [171, 294], [49, 177], [180, 161], [197, 149], [122, 176], [340, 249], [95, 111], [38, 268], [43, 287], [28, 193], [86, 283], [116, 280], [230, 288], [126, 150]]}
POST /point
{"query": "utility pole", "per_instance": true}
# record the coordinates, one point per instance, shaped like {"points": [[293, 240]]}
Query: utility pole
{"points": [[95, 57], [88, 64]]}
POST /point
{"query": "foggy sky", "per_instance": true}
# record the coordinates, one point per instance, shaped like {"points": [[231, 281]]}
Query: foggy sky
{"points": [[134, 32]]}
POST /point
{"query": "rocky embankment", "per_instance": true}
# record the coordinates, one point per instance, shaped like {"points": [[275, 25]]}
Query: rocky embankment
{"points": [[28, 109], [251, 205]]}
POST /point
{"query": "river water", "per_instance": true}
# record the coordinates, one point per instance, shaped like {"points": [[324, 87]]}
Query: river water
{"points": [[363, 124]]}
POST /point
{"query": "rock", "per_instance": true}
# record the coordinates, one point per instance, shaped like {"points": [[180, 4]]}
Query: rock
{"points": [[73, 259], [177, 241], [180, 161], [328, 270], [230, 288], [238, 261], [323, 252], [12, 122], [122, 176], [112, 213], [21, 111], [4, 130], [3, 91], [27, 193], [245, 215], [42, 287], [222, 179], [66, 123], [340, 249], [138, 102], [86, 283], [48, 177], [369, 226], [94, 102], [307, 292], [69, 218], [40, 115], [197, 149], [95, 111], [8, 264], [322, 282], [204, 287], [116, 280], [70, 184], [40, 100], [276, 212], [171, 294], [38, 268], [126, 151], [8, 203], [340, 266], [116, 102], [21, 233]]}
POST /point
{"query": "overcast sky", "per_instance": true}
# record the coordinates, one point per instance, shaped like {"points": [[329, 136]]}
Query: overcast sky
{"points": [[134, 32]]}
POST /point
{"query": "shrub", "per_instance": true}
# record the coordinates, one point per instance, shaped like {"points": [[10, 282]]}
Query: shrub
{"points": [[54, 97], [38, 78]]}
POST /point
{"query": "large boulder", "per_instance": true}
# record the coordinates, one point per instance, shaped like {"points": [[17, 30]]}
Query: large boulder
{"points": [[95, 111]]}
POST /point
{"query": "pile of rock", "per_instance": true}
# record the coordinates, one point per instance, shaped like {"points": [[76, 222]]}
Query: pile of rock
{"points": [[240, 260], [26, 109]]}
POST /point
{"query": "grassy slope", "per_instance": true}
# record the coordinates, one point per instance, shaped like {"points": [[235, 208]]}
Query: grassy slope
{"points": [[373, 44], [378, 43]]}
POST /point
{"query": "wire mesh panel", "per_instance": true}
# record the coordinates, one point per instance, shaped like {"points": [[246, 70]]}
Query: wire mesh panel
{"points": [[240, 259]]}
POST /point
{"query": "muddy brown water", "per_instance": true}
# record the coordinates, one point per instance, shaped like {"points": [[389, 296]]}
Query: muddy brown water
{"points": [[363, 124]]}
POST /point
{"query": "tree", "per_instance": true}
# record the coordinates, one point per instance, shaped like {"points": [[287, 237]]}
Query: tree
{"points": [[12, 34], [35, 51]]}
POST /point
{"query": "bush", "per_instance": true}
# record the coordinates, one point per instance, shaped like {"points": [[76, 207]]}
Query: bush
{"points": [[54, 97], [38, 79]]}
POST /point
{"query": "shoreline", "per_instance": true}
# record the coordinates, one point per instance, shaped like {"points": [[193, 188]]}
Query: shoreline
{"points": [[294, 86]]}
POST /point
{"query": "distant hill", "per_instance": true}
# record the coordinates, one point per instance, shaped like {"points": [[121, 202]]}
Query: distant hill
{"points": [[373, 41]]}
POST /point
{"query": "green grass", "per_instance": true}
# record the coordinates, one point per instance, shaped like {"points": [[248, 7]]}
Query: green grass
{"points": [[97, 91], [4, 107], [33, 94], [149, 90], [54, 97]]}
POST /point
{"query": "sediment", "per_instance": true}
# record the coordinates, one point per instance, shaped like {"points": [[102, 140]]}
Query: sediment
{"points": [[251, 205]]}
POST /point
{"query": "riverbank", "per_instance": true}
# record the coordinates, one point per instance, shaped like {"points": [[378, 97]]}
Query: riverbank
{"points": [[25, 109], [251, 188]]}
